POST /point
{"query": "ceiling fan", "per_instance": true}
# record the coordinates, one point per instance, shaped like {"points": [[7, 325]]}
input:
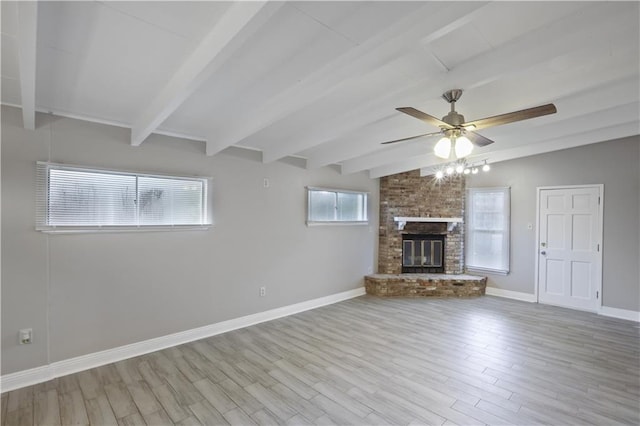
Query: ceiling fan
{"points": [[461, 134]]}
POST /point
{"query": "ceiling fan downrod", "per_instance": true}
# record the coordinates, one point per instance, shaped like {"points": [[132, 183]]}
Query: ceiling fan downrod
{"points": [[453, 118]]}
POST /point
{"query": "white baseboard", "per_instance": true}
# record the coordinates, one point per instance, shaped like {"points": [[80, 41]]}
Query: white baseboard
{"points": [[525, 297], [41, 374], [620, 313]]}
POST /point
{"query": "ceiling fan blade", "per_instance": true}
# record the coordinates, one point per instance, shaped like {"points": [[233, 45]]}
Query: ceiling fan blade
{"points": [[510, 117], [412, 137], [477, 139], [424, 117]]}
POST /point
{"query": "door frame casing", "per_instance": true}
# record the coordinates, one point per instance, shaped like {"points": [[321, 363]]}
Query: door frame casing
{"points": [[600, 235]]}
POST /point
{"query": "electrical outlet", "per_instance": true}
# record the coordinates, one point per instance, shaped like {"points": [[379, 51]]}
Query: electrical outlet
{"points": [[263, 291], [25, 336], [265, 182]]}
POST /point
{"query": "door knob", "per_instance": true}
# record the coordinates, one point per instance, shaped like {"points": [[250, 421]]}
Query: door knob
{"points": [[543, 252]]}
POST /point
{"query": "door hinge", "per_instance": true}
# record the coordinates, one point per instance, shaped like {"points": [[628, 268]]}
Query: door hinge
{"points": [[597, 295], [598, 249], [598, 200]]}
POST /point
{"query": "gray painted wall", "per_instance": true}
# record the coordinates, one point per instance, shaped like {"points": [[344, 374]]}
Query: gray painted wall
{"points": [[90, 292], [84, 293], [614, 164]]}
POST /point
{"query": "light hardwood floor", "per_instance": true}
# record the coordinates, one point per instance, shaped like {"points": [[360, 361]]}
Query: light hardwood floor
{"points": [[368, 361]]}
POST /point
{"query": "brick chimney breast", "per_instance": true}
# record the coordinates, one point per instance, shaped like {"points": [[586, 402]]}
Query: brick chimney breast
{"points": [[410, 195]]}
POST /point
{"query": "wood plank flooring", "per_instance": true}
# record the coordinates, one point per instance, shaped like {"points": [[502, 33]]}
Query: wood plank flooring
{"points": [[367, 361]]}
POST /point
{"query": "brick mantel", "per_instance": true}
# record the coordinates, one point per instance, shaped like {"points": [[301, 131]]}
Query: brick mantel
{"points": [[408, 195]]}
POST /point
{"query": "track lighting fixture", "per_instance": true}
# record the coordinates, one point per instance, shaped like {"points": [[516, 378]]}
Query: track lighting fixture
{"points": [[460, 167]]}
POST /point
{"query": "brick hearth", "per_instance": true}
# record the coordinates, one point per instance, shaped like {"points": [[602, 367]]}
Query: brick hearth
{"points": [[425, 285]]}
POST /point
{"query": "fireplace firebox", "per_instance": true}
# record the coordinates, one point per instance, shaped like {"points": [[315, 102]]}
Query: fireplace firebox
{"points": [[423, 253]]}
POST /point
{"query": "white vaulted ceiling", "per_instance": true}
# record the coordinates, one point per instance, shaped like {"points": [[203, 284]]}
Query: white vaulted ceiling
{"points": [[321, 80]]}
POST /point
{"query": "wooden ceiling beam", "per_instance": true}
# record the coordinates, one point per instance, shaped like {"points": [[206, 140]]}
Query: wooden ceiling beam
{"points": [[239, 22], [522, 53], [525, 51], [599, 99], [27, 47], [371, 54]]}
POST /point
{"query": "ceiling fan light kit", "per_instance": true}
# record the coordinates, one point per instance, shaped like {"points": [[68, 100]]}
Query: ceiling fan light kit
{"points": [[463, 147], [443, 148], [461, 134]]}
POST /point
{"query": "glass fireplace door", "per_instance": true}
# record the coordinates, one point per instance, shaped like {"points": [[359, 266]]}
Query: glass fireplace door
{"points": [[423, 254]]}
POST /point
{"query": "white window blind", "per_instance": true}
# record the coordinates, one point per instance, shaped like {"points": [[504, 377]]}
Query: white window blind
{"points": [[336, 206], [488, 223], [72, 197]]}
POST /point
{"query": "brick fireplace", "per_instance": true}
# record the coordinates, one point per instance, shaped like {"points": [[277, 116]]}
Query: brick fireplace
{"points": [[410, 195], [425, 212]]}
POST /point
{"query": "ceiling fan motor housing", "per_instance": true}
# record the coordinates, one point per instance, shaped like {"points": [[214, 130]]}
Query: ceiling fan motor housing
{"points": [[453, 119]]}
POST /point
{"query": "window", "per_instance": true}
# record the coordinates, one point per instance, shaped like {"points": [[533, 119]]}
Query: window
{"points": [[76, 198], [336, 206], [488, 211]]}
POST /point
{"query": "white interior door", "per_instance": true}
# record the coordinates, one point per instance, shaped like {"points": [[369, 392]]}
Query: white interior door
{"points": [[569, 243]]}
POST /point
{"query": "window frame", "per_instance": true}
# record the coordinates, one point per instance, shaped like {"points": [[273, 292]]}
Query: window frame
{"points": [[365, 210], [506, 231], [43, 169]]}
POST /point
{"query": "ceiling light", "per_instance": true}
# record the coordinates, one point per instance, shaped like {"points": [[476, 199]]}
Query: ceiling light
{"points": [[460, 167], [443, 148], [463, 147]]}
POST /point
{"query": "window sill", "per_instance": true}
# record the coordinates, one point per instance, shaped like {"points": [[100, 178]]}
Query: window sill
{"points": [[120, 229], [310, 223], [487, 270]]}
